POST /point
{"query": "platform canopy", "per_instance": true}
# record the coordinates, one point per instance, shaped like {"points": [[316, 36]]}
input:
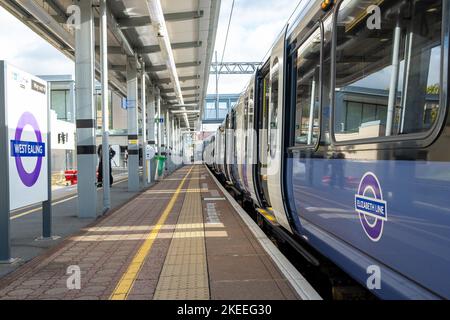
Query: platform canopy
{"points": [[191, 27]]}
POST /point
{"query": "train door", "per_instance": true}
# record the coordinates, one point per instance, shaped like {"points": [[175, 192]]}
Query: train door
{"points": [[239, 142], [276, 148], [251, 142], [221, 150], [262, 114], [229, 137]]}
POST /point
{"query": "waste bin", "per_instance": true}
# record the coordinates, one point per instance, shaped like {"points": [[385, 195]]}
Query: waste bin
{"points": [[161, 160]]}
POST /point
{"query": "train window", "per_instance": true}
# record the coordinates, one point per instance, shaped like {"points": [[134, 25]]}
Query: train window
{"points": [[307, 95], [264, 121], [211, 110], [388, 68], [223, 109], [327, 43], [273, 129]]}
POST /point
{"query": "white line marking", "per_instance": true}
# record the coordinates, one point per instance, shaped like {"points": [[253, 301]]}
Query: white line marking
{"points": [[213, 217], [213, 199], [53, 204], [298, 282]]}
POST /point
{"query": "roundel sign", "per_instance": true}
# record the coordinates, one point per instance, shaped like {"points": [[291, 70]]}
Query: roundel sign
{"points": [[34, 149], [371, 207], [25, 106]]}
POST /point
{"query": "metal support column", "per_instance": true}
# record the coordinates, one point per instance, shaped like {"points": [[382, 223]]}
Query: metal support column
{"points": [[159, 124], [105, 106], [168, 138], [86, 124], [158, 112], [145, 162], [172, 142], [164, 115], [151, 127], [133, 139]]}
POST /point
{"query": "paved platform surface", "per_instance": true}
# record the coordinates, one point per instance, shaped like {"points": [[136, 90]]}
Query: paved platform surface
{"points": [[26, 223], [180, 239]]}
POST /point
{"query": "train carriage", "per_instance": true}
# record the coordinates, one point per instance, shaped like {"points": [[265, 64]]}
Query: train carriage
{"points": [[350, 152]]}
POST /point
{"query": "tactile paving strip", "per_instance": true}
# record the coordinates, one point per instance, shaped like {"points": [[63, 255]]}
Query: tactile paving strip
{"points": [[185, 273]]}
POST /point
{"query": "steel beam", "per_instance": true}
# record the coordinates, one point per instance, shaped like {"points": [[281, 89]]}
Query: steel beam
{"points": [[178, 65], [186, 78], [170, 90], [234, 67], [175, 46], [136, 22]]}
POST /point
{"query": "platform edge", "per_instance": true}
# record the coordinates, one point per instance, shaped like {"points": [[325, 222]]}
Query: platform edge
{"points": [[297, 281]]}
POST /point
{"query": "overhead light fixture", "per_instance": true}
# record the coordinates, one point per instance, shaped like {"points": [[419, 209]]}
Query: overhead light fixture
{"points": [[160, 28]]}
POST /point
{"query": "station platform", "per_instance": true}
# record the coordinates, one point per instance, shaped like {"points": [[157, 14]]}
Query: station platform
{"points": [[182, 239]]}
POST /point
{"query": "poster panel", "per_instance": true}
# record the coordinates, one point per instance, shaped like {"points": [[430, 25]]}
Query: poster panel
{"points": [[26, 114]]}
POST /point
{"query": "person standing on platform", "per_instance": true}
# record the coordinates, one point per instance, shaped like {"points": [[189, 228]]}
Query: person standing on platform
{"points": [[125, 158], [112, 153]]}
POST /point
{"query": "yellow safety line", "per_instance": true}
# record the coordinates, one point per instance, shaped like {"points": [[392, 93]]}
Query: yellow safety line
{"points": [[126, 283]]}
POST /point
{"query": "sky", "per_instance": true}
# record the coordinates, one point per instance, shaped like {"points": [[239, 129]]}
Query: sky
{"points": [[255, 24], [26, 50], [254, 27]]}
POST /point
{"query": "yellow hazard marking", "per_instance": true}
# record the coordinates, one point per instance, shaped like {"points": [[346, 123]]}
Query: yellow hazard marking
{"points": [[133, 141], [266, 214], [126, 283]]}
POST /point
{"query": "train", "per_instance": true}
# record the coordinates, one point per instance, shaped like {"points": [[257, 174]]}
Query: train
{"points": [[341, 140]]}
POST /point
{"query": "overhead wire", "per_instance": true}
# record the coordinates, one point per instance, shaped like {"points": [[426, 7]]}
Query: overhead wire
{"points": [[226, 36], [279, 34]]}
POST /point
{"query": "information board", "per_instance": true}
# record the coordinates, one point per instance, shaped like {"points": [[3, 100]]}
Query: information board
{"points": [[25, 107]]}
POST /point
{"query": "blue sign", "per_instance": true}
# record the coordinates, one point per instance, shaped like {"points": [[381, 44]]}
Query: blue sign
{"points": [[25, 149], [371, 207]]}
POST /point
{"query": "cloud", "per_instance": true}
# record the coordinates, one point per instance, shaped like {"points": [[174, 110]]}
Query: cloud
{"points": [[28, 51], [254, 27]]}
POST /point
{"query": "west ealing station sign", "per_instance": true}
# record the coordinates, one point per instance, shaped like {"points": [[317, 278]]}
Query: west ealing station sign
{"points": [[25, 107]]}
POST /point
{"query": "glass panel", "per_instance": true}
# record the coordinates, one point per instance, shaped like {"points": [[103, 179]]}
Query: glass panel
{"points": [[393, 72], [326, 80], [274, 81], [58, 101], [264, 124], [354, 116], [211, 112], [223, 109], [308, 77]]}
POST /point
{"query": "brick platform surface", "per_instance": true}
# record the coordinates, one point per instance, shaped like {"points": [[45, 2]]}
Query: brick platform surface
{"points": [[179, 239]]}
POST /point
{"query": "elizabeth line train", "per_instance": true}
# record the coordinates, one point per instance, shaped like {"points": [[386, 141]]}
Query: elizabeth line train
{"points": [[355, 121]]}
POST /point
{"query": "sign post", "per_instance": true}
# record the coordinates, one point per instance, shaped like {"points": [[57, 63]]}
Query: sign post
{"points": [[47, 205], [23, 146]]}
